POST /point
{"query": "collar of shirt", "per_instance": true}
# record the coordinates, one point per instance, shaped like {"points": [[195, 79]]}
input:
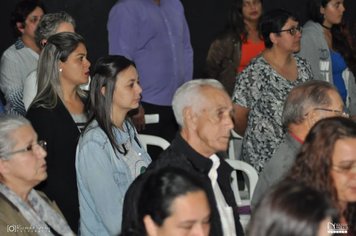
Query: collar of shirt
{"points": [[199, 162], [213, 173]]}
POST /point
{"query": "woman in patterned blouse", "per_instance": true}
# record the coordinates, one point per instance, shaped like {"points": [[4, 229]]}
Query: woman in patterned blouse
{"points": [[263, 86]]}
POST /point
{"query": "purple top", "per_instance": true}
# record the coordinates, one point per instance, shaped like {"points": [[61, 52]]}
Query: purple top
{"points": [[156, 38]]}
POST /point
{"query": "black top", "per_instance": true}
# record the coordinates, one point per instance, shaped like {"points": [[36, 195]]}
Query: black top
{"points": [[59, 130], [180, 154]]}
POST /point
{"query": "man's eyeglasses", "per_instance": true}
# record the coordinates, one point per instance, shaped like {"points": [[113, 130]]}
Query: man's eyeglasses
{"points": [[340, 113], [29, 148], [292, 31]]}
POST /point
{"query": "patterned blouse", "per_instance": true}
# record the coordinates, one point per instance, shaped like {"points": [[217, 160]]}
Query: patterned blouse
{"points": [[262, 90]]}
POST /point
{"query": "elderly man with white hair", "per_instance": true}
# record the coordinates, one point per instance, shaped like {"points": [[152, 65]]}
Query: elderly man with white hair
{"points": [[203, 111]]}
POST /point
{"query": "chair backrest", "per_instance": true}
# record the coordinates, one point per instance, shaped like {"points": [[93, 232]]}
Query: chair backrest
{"points": [[234, 145], [252, 175], [245, 204], [147, 139]]}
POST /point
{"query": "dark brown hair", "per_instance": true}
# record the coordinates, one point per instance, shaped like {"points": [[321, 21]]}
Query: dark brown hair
{"points": [[314, 162]]}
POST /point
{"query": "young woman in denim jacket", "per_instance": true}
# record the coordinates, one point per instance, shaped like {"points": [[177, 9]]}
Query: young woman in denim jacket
{"points": [[109, 154]]}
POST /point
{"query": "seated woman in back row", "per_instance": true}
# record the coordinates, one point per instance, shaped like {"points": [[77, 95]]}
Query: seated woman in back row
{"points": [[109, 154], [58, 114]]}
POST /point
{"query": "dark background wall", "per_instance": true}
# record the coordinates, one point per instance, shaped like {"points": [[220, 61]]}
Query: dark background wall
{"points": [[205, 18]]}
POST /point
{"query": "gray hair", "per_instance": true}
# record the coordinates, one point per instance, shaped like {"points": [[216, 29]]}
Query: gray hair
{"points": [[58, 48], [303, 97], [49, 24], [8, 124], [190, 95]]}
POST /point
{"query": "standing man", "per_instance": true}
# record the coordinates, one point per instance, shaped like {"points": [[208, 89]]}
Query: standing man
{"points": [[155, 35]]}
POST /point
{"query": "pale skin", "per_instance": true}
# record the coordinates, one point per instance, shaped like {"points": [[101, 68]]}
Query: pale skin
{"points": [[28, 29], [74, 72], [207, 128], [344, 156], [190, 216], [24, 170], [127, 95], [280, 57]]}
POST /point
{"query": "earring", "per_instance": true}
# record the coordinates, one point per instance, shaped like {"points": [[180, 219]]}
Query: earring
{"points": [[60, 69]]}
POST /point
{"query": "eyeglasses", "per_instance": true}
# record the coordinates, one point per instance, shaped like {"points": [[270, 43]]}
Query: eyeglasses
{"points": [[340, 113], [29, 148], [292, 31], [35, 19], [348, 167]]}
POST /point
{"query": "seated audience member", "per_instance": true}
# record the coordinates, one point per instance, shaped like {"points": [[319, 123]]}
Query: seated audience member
{"points": [[327, 163], [203, 110], [21, 58], [305, 105], [22, 167], [58, 115], [292, 209], [170, 201], [263, 86], [50, 24], [109, 154]]}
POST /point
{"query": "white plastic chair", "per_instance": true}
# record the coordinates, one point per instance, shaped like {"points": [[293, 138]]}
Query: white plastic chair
{"points": [[252, 175], [153, 140], [234, 145]]}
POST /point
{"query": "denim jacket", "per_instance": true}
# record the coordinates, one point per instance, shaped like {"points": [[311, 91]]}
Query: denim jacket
{"points": [[103, 177]]}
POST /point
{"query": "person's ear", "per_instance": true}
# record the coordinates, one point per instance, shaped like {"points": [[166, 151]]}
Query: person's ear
{"points": [[3, 167], [273, 38], [43, 43], [60, 66], [189, 117], [312, 118], [103, 90], [322, 10], [150, 226], [20, 27]]}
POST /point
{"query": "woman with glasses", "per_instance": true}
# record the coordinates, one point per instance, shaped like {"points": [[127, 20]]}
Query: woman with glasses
{"points": [[326, 47], [327, 163], [109, 154], [240, 41], [264, 84], [58, 115], [24, 210], [21, 57]]}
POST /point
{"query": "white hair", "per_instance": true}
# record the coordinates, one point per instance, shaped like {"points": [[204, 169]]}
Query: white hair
{"points": [[190, 95], [9, 123]]}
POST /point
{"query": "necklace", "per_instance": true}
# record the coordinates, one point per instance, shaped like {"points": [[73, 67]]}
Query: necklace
{"points": [[328, 28]]}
